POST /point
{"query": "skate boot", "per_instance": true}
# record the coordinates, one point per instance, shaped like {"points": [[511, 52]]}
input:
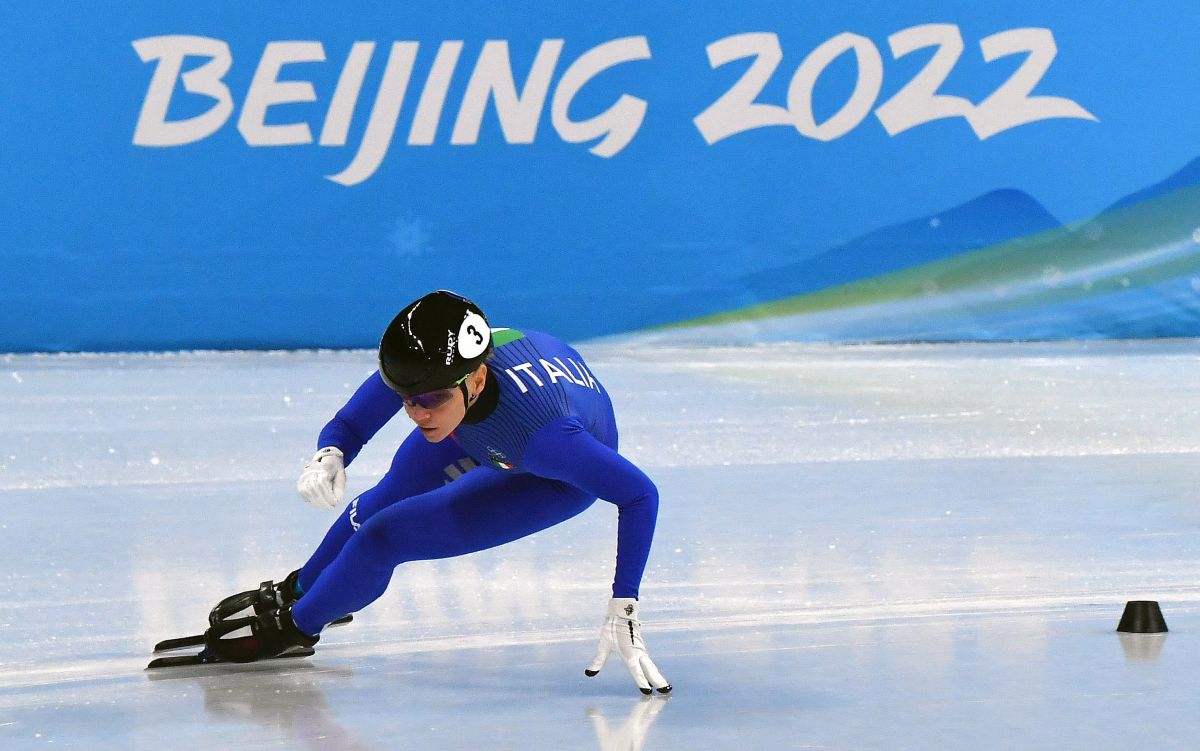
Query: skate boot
{"points": [[252, 637], [288, 588], [268, 598]]}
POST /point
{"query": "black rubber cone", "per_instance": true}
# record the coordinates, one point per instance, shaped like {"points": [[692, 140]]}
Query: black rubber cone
{"points": [[1142, 617]]}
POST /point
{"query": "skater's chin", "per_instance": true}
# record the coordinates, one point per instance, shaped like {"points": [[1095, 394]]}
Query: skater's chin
{"points": [[433, 435]]}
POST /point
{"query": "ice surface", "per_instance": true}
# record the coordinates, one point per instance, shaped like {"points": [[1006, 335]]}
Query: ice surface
{"points": [[858, 547]]}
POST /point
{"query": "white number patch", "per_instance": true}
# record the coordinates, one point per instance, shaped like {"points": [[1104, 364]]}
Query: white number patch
{"points": [[473, 336]]}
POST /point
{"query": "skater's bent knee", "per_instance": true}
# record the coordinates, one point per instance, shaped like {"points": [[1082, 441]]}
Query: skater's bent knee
{"points": [[376, 543]]}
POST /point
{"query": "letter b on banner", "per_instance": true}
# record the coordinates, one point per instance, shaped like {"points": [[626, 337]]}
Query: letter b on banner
{"points": [[153, 128]]}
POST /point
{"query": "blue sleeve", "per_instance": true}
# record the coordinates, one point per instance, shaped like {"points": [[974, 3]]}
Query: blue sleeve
{"points": [[564, 450], [367, 411]]}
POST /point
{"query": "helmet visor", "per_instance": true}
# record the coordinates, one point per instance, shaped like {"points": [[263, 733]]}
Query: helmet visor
{"points": [[430, 399], [436, 398]]}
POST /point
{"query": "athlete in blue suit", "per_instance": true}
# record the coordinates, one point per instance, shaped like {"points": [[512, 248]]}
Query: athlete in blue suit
{"points": [[527, 435]]}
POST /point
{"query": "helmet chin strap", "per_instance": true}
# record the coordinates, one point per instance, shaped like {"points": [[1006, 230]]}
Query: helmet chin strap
{"points": [[468, 397]]}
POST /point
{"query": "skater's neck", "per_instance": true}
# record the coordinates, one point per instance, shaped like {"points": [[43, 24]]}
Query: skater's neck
{"points": [[483, 406]]}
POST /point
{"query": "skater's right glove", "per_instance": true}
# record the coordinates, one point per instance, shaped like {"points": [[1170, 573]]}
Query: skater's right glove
{"points": [[622, 633], [323, 481]]}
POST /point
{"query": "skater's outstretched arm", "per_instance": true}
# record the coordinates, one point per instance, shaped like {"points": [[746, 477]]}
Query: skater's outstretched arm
{"points": [[565, 450], [323, 481], [372, 405]]}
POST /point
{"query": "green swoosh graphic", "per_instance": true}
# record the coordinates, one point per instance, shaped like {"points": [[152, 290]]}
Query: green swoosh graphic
{"points": [[1135, 246]]}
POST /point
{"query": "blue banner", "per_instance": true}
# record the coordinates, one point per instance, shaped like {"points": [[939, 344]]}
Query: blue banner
{"points": [[232, 175]]}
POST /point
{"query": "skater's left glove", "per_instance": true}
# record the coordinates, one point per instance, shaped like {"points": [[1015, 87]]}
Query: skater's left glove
{"points": [[622, 632]]}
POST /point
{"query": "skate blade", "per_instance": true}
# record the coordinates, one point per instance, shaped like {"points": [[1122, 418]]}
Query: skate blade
{"points": [[205, 658]]}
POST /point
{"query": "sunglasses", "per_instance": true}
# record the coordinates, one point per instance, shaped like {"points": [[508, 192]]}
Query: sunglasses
{"points": [[436, 398]]}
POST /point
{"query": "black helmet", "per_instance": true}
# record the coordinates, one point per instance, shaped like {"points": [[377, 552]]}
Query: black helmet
{"points": [[433, 344]]}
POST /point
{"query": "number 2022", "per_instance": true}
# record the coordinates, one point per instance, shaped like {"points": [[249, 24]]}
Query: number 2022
{"points": [[915, 104]]}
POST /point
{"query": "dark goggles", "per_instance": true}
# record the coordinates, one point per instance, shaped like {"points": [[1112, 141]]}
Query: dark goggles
{"points": [[436, 398]]}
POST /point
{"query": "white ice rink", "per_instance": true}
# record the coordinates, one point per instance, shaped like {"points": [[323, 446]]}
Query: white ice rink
{"points": [[903, 547]]}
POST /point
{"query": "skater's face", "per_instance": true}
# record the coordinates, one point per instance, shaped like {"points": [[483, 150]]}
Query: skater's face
{"points": [[435, 423]]}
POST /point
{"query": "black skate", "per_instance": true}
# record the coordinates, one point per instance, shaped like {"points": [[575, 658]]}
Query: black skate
{"points": [[259, 600], [197, 640], [244, 627], [272, 633], [267, 634], [252, 625], [265, 599]]}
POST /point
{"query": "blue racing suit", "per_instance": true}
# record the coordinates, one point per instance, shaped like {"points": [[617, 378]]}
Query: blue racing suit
{"points": [[537, 447]]}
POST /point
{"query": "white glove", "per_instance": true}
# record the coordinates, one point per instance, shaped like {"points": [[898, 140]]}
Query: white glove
{"points": [[323, 481], [623, 632]]}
